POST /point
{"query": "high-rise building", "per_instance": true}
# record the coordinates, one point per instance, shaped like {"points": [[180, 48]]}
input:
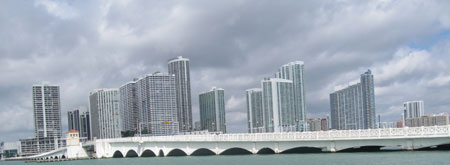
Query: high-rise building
{"points": [[73, 118], [255, 113], [412, 109], [128, 106], [278, 105], [47, 121], [105, 113], [353, 107], [368, 100], [212, 110], [47, 110], [180, 68], [85, 125], [157, 106], [294, 71], [78, 119]]}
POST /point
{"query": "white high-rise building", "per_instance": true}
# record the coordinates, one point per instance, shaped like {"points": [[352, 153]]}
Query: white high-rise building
{"points": [[412, 109], [47, 111], [105, 113], [353, 107], [180, 68], [212, 110], [278, 105], [255, 112], [128, 107], [294, 71], [157, 105]]}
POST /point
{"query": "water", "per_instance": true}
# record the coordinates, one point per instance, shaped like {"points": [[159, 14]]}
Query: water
{"points": [[366, 158]]}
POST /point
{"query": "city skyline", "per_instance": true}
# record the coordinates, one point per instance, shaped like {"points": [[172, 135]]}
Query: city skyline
{"points": [[91, 45]]}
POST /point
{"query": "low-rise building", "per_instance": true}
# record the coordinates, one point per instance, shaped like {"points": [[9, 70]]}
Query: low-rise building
{"points": [[318, 124], [9, 149], [388, 125], [34, 146], [428, 120]]}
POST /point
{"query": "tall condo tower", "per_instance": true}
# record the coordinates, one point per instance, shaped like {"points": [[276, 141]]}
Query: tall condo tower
{"points": [[73, 119], [85, 125], [353, 107], [180, 68], [255, 113], [278, 105], [413, 109], [212, 110], [294, 71], [78, 119], [368, 92], [47, 110], [128, 107], [105, 113], [157, 106]]}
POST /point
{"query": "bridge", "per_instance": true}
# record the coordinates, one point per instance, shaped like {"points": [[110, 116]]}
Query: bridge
{"points": [[414, 138], [69, 152]]}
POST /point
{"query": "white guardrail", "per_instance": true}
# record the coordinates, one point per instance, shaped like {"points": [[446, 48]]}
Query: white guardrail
{"points": [[386, 133]]}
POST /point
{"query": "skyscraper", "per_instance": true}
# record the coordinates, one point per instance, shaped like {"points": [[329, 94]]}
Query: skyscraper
{"points": [[85, 125], [294, 71], [212, 110], [73, 119], [128, 106], [368, 93], [47, 110], [47, 121], [412, 109], [255, 113], [180, 68], [78, 119], [105, 113], [278, 105], [156, 102], [353, 107]]}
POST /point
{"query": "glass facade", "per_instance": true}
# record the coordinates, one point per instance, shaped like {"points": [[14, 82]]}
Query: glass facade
{"points": [[255, 113], [212, 110], [278, 105], [294, 71]]}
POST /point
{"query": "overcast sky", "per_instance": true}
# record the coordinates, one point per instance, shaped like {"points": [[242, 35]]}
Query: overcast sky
{"points": [[232, 44]]}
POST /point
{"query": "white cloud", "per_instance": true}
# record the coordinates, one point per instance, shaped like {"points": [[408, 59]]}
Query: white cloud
{"points": [[439, 81], [233, 103], [59, 9]]}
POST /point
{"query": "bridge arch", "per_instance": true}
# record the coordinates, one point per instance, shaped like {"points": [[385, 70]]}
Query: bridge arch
{"points": [[297, 150], [161, 153], [63, 156], [176, 152], [236, 151], [202, 152], [117, 154], [370, 148], [265, 151], [148, 153], [131, 154]]}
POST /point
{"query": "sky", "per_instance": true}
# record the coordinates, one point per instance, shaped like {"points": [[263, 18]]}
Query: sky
{"points": [[232, 44]]}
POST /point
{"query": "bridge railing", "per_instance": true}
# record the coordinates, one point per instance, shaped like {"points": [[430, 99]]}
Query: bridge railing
{"points": [[432, 131]]}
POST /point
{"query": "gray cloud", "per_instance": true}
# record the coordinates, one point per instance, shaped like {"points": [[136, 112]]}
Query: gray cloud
{"points": [[232, 44]]}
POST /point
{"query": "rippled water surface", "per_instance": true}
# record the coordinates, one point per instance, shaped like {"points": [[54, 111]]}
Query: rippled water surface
{"points": [[405, 157]]}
